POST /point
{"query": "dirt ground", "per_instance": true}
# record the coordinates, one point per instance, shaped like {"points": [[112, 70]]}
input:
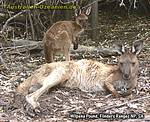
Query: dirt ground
{"points": [[65, 104]]}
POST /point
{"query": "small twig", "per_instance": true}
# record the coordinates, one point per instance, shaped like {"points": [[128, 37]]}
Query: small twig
{"points": [[3, 76], [31, 24], [3, 62], [40, 22], [122, 3], [54, 10], [134, 5], [95, 1], [68, 2], [26, 32], [125, 103]]}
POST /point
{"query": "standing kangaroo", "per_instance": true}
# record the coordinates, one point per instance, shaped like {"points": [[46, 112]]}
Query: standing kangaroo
{"points": [[60, 35], [87, 75]]}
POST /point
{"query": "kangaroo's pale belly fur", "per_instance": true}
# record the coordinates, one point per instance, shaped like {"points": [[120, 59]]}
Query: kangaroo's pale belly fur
{"points": [[85, 74]]}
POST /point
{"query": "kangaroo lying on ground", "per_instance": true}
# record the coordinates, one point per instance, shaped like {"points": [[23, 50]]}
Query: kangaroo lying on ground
{"points": [[87, 75], [60, 35]]}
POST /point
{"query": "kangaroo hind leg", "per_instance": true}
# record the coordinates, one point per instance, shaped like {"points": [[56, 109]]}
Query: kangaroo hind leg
{"points": [[66, 54], [56, 77], [48, 52]]}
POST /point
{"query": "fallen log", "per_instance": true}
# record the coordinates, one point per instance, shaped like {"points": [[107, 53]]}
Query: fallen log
{"points": [[94, 51], [22, 46]]}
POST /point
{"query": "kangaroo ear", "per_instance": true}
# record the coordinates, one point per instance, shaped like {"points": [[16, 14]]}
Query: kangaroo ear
{"points": [[88, 10], [77, 12], [137, 46], [120, 48]]}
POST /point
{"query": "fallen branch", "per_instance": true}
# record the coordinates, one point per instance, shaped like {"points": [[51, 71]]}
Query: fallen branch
{"points": [[125, 103], [94, 51], [26, 45]]}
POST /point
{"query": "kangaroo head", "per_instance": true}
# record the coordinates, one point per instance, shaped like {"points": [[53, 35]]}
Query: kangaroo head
{"points": [[128, 61], [82, 16]]}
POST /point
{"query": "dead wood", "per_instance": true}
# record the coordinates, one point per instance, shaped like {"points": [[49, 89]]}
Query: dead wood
{"points": [[96, 51], [21, 46], [26, 45]]}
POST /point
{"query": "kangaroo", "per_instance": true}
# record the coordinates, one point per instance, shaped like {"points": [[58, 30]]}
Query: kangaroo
{"points": [[88, 75], [61, 34]]}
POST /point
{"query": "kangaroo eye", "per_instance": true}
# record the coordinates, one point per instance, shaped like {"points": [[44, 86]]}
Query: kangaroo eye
{"points": [[121, 63], [133, 63]]}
